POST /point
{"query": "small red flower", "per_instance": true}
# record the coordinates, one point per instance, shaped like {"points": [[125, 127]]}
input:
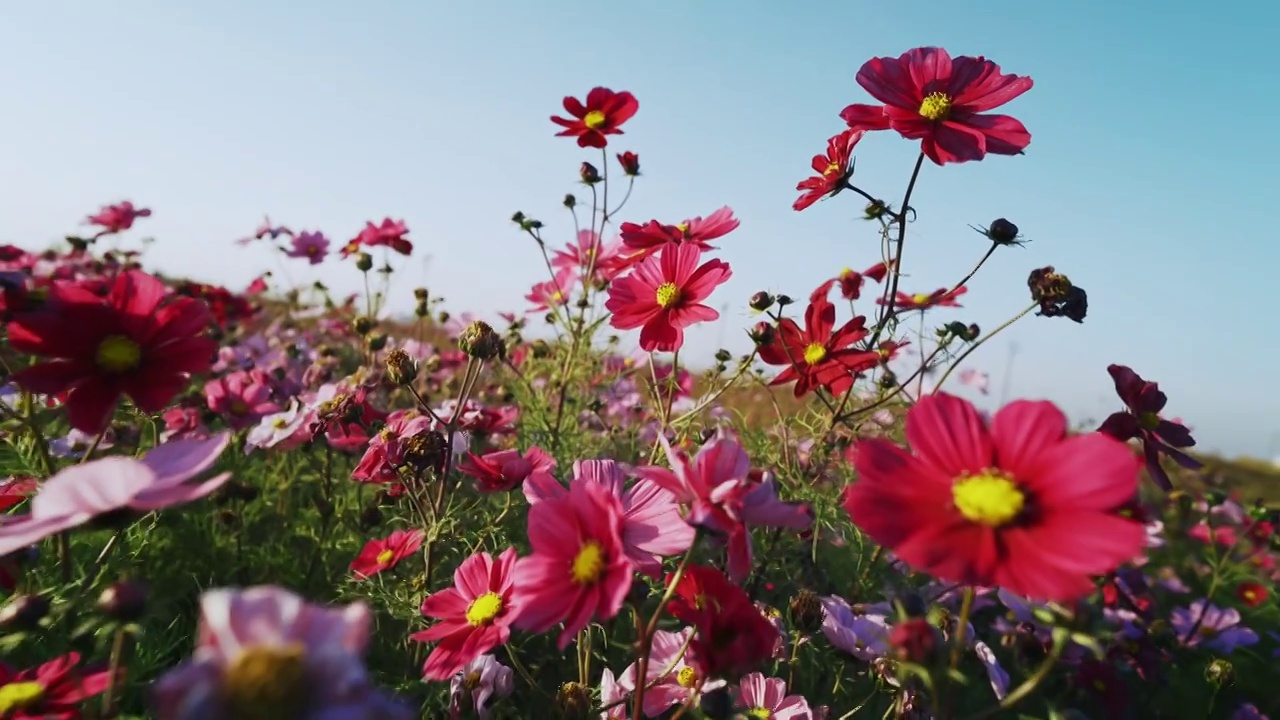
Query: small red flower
{"points": [[733, 636], [1252, 594], [1014, 503], [1141, 420], [130, 343], [663, 295], [503, 470], [379, 555], [929, 96], [851, 282], [52, 691], [819, 356], [630, 163], [475, 615], [833, 170], [15, 490], [603, 114], [390, 233], [117, 218], [942, 297]]}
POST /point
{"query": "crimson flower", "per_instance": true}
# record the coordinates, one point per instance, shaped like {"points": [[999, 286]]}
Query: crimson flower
{"points": [[931, 97], [130, 343], [379, 555], [1251, 593], [663, 295], [645, 240], [503, 470], [733, 636], [833, 170], [819, 355], [851, 282], [630, 163], [1016, 503], [475, 615], [390, 233], [52, 690], [116, 218], [942, 297], [603, 114], [1141, 420]]}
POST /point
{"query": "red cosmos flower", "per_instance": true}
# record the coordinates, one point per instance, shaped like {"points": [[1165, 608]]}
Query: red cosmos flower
{"points": [[579, 567], [1252, 594], [942, 297], [930, 97], [379, 555], [851, 282], [642, 241], [663, 295], [630, 163], [117, 218], [391, 233], [1141, 420], [834, 170], [817, 356], [475, 614], [603, 114], [733, 636], [14, 490], [52, 691], [1017, 504], [503, 470], [131, 342]]}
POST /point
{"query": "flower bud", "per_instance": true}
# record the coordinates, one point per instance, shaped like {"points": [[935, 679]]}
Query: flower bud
{"points": [[377, 342], [23, 612], [805, 611], [570, 201], [426, 450], [762, 334], [363, 325], [1003, 232], [1220, 673], [761, 301], [364, 262], [630, 163], [589, 174], [573, 701], [401, 369], [723, 356], [875, 210], [421, 294], [479, 340], [784, 300], [125, 601]]}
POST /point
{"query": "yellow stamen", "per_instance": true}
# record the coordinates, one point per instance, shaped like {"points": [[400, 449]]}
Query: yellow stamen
{"points": [[832, 169], [936, 107], [484, 609], [815, 353], [589, 564], [594, 119], [668, 294], [118, 354], [20, 696], [267, 683], [920, 299], [687, 677], [385, 557], [760, 713], [989, 498]]}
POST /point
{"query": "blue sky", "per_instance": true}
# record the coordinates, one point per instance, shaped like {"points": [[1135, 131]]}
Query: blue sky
{"points": [[1149, 180]]}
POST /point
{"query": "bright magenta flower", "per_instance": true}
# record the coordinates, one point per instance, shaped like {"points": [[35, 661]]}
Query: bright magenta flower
{"points": [[579, 567], [54, 690], [929, 96], [942, 297], [1017, 503], [833, 170], [475, 615], [603, 114], [116, 218], [641, 241], [663, 295]]}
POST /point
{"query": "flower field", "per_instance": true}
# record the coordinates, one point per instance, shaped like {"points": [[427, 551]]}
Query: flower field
{"points": [[279, 504]]}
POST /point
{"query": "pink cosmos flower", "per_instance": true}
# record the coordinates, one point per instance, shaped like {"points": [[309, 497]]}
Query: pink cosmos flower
{"points": [[577, 257], [313, 246], [54, 690], [81, 493], [116, 218], [284, 430], [975, 379], [663, 295], [644, 240], [265, 652], [475, 614], [503, 470], [552, 293], [385, 452], [723, 498], [612, 694], [652, 527], [390, 233], [266, 229], [579, 568], [666, 687], [241, 397], [479, 682], [762, 697]]}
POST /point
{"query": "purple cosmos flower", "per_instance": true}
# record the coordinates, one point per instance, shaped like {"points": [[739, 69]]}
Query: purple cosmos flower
{"points": [[1215, 628], [1141, 420]]}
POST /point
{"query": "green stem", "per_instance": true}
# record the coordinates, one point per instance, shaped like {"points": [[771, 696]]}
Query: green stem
{"points": [[969, 350]]}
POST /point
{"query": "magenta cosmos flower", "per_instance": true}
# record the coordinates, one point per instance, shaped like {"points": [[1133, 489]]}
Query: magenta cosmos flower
{"points": [[116, 485], [652, 527], [475, 615], [264, 652], [940, 101], [1016, 503], [579, 568], [722, 496], [663, 295]]}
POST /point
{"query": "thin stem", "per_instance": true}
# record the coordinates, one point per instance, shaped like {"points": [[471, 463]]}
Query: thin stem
{"points": [[646, 640], [969, 350], [892, 294]]}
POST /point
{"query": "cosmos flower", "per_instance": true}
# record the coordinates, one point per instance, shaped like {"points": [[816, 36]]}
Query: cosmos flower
{"points": [[379, 555], [475, 615], [663, 295], [311, 246], [820, 355], [1141, 420], [602, 114], [55, 689], [833, 170]]}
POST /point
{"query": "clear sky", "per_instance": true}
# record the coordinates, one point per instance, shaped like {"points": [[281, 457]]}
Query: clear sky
{"points": [[1150, 179]]}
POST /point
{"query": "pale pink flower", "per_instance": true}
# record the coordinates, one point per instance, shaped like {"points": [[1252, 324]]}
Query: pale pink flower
{"points": [[242, 397], [975, 379], [611, 693], [763, 697], [722, 496], [670, 678], [81, 493], [285, 430], [312, 246], [265, 652], [652, 527], [552, 293], [482, 680]]}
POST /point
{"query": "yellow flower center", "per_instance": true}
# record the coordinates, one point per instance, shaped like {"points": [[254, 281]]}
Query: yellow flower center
{"points": [[267, 683], [280, 423], [760, 713], [1149, 420], [1206, 631], [385, 556], [589, 563], [919, 299], [118, 354], [20, 696], [936, 107], [472, 680], [989, 498], [594, 119], [815, 353], [668, 295], [484, 609], [683, 228], [832, 169], [239, 407], [687, 677]]}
